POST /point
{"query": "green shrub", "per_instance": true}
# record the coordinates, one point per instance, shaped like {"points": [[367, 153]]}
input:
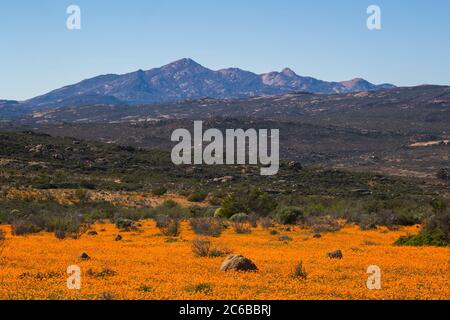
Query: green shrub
{"points": [[197, 196], [204, 288], [160, 191], [219, 213], [435, 232], [288, 215], [252, 201], [125, 224], [437, 239], [24, 227], [239, 217]]}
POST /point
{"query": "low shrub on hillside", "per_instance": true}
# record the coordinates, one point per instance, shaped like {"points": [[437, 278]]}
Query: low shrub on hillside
{"points": [[239, 217], [288, 215], [197, 196], [241, 227], [249, 201], [160, 191], [169, 226], [435, 232]]}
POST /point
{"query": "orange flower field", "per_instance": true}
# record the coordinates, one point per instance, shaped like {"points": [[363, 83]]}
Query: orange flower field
{"points": [[148, 265]]}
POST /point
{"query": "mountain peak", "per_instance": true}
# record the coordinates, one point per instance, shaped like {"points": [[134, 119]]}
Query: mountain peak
{"points": [[288, 72], [185, 62]]}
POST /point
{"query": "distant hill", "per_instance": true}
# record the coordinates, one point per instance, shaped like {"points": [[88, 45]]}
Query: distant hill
{"points": [[186, 79]]}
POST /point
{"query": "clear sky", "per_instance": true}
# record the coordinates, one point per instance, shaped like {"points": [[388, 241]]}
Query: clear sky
{"points": [[326, 39]]}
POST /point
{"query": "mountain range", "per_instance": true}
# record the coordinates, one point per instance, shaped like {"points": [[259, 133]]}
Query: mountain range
{"points": [[185, 79]]}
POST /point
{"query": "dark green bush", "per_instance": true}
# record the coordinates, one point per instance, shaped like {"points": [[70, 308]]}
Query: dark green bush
{"points": [[252, 201], [160, 191], [435, 232], [288, 215], [197, 196]]}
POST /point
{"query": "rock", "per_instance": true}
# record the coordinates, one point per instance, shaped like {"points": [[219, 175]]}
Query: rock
{"points": [[92, 233], [317, 236], [118, 238], [224, 179], [238, 263], [59, 156], [295, 165], [37, 148], [335, 254], [84, 256]]}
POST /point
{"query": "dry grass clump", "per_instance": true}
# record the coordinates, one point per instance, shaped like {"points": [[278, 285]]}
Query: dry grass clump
{"points": [[265, 223], [169, 227], [203, 248], [203, 288], [101, 274], [241, 227], [323, 224], [299, 272], [284, 238], [210, 227], [2, 241]]}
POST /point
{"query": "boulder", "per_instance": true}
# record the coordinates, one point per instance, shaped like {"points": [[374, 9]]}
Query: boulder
{"points": [[84, 256], [238, 263], [118, 238]]}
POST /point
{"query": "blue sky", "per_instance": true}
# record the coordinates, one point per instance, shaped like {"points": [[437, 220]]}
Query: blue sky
{"points": [[326, 39]]}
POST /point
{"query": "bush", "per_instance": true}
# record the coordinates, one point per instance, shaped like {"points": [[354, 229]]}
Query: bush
{"points": [[323, 224], [265, 223], [300, 272], [443, 174], [241, 228], [201, 248], [284, 238], [159, 191], [434, 233], [204, 288], [239, 217], [199, 212], [169, 227], [219, 213], [24, 227], [197, 196], [289, 215], [126, 224], [2, 241], [252, 201], [169, 208], [436, 239], [207, 226]]}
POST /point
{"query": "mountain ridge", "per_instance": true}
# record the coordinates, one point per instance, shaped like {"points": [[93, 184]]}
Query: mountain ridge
{"points": [[187, 79]]}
